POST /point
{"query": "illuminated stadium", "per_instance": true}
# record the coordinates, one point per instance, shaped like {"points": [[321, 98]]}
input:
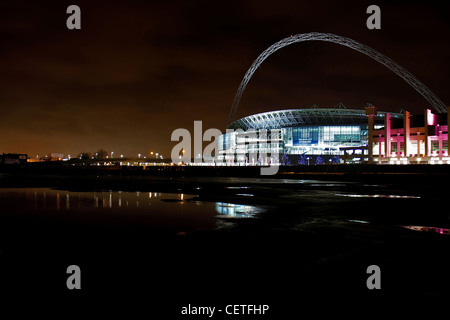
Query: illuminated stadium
{"points": [[298, 132], [336, 135]]}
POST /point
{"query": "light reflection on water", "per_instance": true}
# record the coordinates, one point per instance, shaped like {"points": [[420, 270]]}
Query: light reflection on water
{"points": [[392, 196], [45, 199], [176, 210], [236, 187], [358, 221], [231, 210], [429, 229]]}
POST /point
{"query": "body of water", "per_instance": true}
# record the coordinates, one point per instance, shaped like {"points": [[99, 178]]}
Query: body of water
{"points": [[229, 239]]}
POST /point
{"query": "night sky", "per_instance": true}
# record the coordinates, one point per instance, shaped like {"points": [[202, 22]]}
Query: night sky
{"points": [[137, 70]]}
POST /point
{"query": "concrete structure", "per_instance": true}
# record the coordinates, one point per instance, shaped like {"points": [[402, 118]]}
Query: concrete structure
{"points": [[419, 139]]}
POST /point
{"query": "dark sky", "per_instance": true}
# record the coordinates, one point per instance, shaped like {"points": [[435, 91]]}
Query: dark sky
{"points": [[137, 70]]}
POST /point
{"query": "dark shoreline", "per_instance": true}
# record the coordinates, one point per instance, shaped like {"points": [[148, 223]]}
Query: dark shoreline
{"points": [[423, 173]]}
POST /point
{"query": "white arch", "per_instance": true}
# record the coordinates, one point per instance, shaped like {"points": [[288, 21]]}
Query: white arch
{"points": [[329, 37]]}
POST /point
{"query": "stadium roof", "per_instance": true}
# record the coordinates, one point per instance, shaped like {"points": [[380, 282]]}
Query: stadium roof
{"points": [[301, 117]]}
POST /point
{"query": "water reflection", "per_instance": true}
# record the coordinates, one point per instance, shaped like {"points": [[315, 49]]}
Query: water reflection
{"points": [[358, 221], [429, 229], [231, 210], [393, 196], [45, 199], [236, 187], [177, 212]]}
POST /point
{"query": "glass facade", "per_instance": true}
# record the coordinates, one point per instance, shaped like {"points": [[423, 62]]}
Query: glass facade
{"points": [[323, 139], [314, 140], [317, 135]]}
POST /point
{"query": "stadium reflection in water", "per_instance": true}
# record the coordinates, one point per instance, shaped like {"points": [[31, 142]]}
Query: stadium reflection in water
{"points": [[231, 210]]}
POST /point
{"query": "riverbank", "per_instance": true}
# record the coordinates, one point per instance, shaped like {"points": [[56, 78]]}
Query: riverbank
{"points": [[336, 172]]}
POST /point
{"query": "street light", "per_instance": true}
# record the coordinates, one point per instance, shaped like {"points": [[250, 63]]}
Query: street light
{"points": [[308, 160]]}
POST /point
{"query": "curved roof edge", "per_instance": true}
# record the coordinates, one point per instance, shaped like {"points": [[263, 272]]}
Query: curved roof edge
{"points": [[311, 116]]}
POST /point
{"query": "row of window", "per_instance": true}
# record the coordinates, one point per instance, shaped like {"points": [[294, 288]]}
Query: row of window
{"points": [[298, 137], [314, 135]]}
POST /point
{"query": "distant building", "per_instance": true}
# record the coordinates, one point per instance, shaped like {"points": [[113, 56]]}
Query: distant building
{"points": [[13, 158], [56, 157]]}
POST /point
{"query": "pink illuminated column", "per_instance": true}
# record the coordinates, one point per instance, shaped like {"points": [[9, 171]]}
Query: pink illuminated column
{"points": [[387, 134], [406, 131], [429, 121], [448, 126]]}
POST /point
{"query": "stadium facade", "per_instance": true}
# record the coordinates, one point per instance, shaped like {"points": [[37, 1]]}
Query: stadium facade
{"points": [[335, 135]]}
